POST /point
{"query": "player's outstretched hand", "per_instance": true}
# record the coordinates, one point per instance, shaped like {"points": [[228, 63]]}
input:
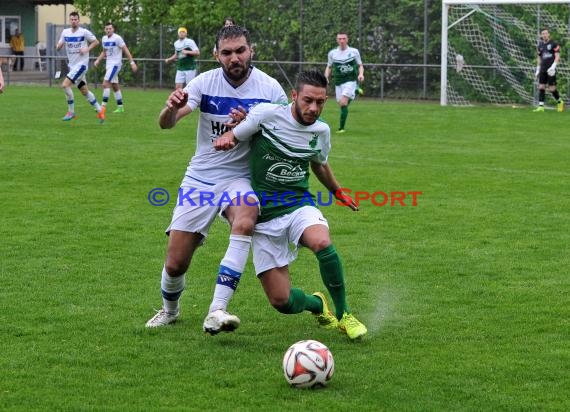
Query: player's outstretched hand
{"points": [[226, 141], [236, 115], [346, 200], [177, 99]]}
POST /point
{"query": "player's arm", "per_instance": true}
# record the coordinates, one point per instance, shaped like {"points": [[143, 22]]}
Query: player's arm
{"points": [[324, 173], [172, 58], [132, 62], [360, 72], [175, 109], [99, 58], [195, 52], [93, 44], [328, 73]]}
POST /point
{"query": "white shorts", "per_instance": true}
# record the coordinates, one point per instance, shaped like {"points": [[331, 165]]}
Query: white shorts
{"points": [[112, 73], [347, 89], [198, 203], [185, 76], [77, 73], [271, 240]]}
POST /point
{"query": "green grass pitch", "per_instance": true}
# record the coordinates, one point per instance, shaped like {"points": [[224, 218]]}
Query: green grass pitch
{"points": [[466, 295]]}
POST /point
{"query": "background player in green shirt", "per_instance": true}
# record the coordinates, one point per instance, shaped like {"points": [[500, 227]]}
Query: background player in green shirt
{"points": [[285, 141], [347, 70]]}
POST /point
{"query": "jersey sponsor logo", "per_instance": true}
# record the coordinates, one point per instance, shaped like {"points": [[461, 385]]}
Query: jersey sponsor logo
{"points": [[221, 105], [345, 68], [285, 173]]}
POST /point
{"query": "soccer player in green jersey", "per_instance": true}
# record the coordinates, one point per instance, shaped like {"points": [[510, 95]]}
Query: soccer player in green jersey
{"points": [[347, 70], [185, 53], [287, 140]]}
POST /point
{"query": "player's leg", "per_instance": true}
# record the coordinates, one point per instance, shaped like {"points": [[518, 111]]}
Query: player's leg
{"points": [[118, 97], [542, 79], [181, 248], [90, 97], [287, 300], [347, 94], [180, 79], [317, 238], [106, 92], [241, 211], [271, 257], [66, 86], [555, 94]]}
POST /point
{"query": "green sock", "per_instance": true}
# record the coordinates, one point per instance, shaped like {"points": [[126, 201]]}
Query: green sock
{"points": [[343, 116], [332, 274], [299, 301]]}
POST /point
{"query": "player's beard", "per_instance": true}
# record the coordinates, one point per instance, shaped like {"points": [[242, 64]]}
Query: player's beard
{"points": [[237, 72], [299, 116]]}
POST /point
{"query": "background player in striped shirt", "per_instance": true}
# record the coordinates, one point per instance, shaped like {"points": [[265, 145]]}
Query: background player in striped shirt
{"points": [[78, 43], [113, 49], [346, 67], [287, 140], [185, 53]]}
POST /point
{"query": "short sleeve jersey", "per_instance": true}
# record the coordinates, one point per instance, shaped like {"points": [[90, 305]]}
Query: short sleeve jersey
{"points": [[74, 41], [215, 97], [546, 52], [113, 49], [185, 62], [281, 152], [344, 64]]}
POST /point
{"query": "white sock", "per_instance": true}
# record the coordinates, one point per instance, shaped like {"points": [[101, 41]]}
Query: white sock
{"points": [[106, 94], [171, 288], [92, 100], [231, 268], [119, 98], [70, 101]]}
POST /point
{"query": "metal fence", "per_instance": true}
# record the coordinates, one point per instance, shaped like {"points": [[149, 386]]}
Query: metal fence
{"points": [[383, 81]]}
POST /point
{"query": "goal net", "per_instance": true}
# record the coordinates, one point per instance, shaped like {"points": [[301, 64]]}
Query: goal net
{"points": [[489, 49]]}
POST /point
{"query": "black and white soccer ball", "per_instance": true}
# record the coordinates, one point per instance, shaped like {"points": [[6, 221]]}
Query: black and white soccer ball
{"points": [[308, 364]]}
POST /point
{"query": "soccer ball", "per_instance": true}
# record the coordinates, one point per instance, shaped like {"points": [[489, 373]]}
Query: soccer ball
{"points": [[308, 364]]}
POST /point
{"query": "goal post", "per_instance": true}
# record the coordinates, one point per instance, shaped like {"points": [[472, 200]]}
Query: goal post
{"points": [[488, 48]]}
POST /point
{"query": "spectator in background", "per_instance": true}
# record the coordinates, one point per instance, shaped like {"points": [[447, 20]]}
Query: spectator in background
{"points": [[17, 43], [1, 81], [228, 21], [185, 53]]}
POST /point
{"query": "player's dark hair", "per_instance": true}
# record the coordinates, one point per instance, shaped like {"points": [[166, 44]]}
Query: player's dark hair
{"points": [[231, 32], [110, 24], [230, 19], [74, 13], [311, 77]]}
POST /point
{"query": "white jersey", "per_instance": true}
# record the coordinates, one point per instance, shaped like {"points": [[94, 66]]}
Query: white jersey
{"points": [[74, 41], [113, 47], [184, 44], [215, 96], [289, 137]]}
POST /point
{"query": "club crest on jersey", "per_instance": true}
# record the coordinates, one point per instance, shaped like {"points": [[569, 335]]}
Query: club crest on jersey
{"points": [[313, 141]]}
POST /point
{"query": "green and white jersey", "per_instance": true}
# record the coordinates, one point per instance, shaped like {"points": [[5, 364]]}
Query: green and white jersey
{"points": [[344, 64], [281, 152], [185, 62]]}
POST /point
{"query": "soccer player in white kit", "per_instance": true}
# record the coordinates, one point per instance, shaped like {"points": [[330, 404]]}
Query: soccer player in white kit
{"points": [[78, 43], [113, 48], [222, 95], [285, 142]]}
